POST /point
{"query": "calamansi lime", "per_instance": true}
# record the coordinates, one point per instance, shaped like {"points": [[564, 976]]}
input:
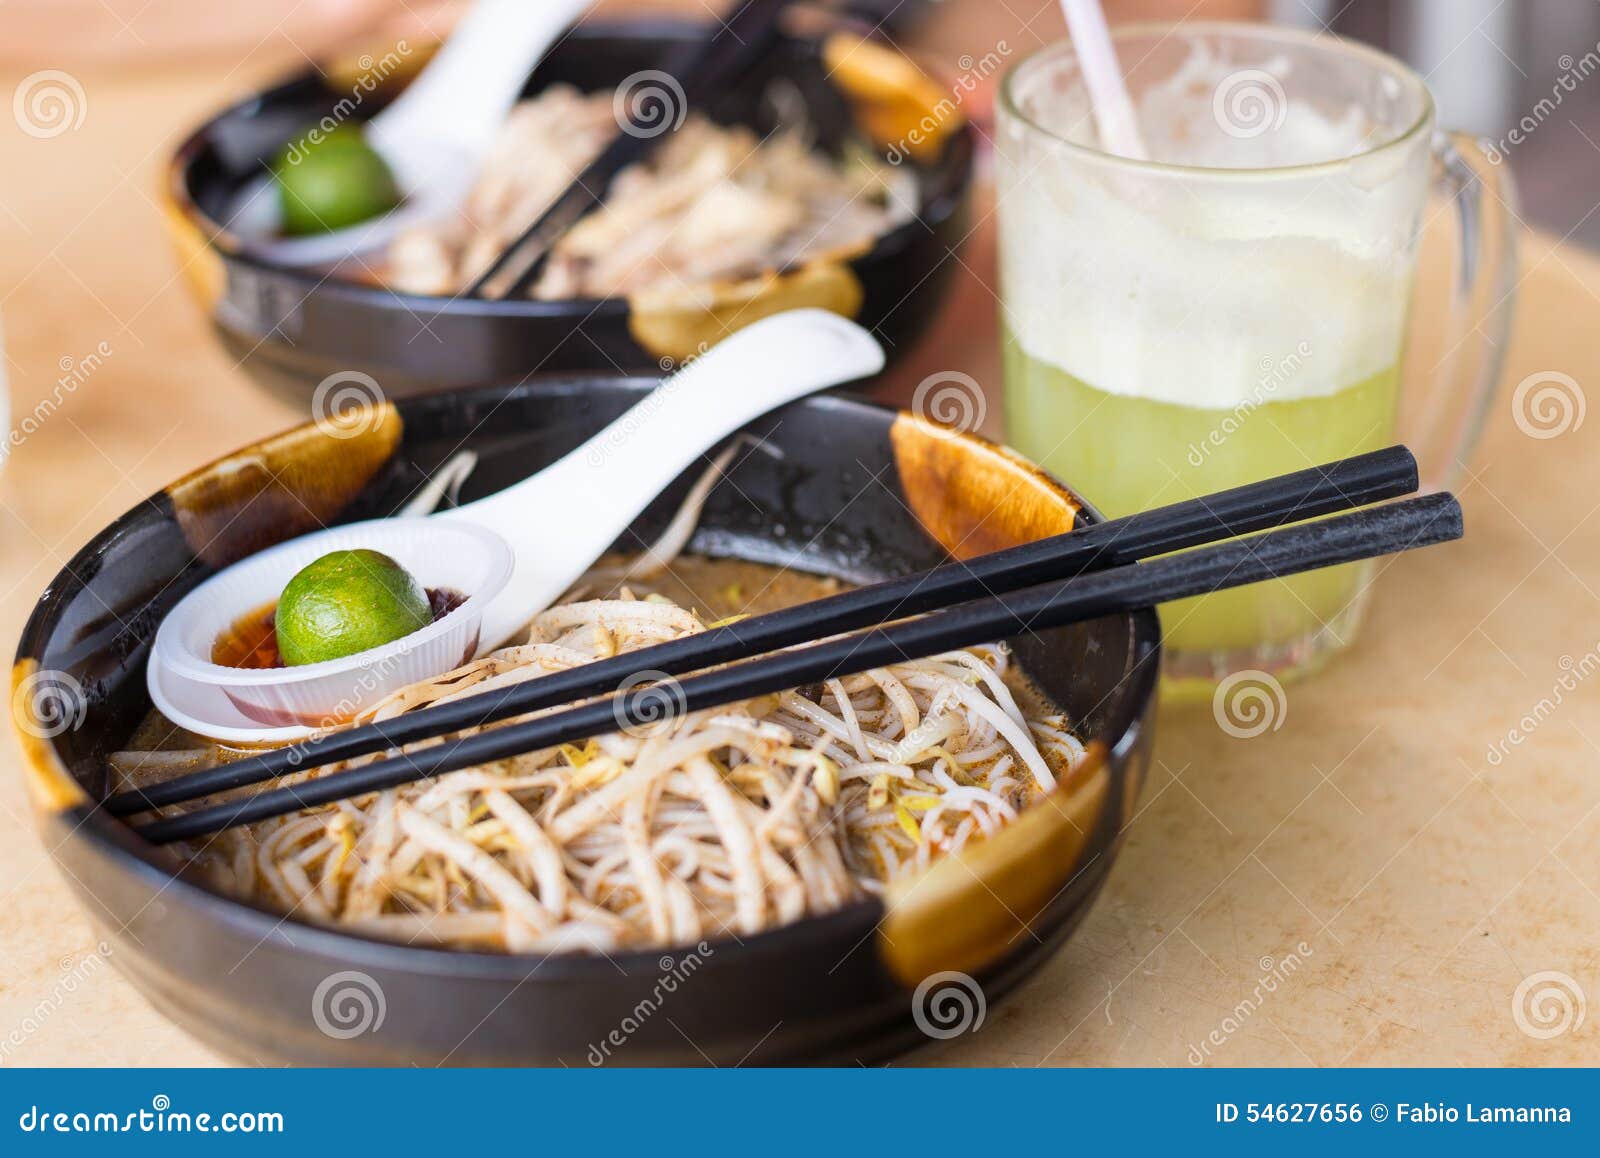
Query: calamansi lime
{"points": [[332, 181], [345, 602]]}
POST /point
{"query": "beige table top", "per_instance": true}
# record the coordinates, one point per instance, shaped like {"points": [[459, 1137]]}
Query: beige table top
{"points": [[1415, 884]]}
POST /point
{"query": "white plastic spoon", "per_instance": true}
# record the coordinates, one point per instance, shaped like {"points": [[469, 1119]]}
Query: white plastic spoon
{"points": [[434, 136], [511, 554]]}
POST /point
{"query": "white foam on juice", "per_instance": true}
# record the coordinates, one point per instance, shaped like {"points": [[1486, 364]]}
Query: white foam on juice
{"points": [[1192, 287]]}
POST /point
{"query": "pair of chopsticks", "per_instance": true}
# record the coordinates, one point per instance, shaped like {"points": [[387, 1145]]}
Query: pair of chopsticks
{"points": [[1033, 587], [699, 70]]}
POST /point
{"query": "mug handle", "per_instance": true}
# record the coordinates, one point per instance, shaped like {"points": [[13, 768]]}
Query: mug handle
{"points": [[1445, 426]]}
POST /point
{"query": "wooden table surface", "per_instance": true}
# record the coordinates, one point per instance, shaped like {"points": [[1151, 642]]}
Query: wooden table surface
{"points": [[1363, 885]]}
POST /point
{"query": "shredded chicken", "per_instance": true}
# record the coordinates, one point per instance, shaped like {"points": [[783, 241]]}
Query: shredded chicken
{"points": [[712, 203]]}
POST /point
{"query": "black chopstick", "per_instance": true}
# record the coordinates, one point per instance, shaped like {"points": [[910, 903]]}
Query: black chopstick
{"points": [[1304, 494], [699, 69], [1364, 534]]}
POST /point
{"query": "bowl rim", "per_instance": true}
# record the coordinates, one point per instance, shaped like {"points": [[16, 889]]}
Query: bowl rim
{"points": [[155, 866], [935, 204]]}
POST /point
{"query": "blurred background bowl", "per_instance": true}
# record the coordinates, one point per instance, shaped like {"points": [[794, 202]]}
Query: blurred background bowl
{"points": [[291, 328]]}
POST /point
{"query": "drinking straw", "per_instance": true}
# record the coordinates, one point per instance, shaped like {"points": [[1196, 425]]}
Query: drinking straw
{"points": [[1113, 111]]}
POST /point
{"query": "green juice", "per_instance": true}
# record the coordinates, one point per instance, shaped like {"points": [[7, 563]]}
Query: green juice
{"points": [[1126, 454]]}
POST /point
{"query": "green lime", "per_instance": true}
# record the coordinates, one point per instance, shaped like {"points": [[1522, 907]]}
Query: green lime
{"points": [[345, 602], [330, 180]]}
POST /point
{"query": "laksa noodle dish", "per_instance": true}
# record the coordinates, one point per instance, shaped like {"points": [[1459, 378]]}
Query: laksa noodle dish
{"points": [[694, 825]]}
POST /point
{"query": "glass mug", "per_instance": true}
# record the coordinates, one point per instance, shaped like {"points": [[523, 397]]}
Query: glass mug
{"points": [[1237, 306]]}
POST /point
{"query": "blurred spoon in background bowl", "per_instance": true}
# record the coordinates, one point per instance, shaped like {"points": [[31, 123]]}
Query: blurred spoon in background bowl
{"points": [[434, 136]]}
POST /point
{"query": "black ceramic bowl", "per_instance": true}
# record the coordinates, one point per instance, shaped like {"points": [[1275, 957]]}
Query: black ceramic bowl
{"points": [[292, 328], [858, 492]]}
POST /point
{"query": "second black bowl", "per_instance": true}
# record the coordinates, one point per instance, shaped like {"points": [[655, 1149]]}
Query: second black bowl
{"points": [[292, 328]]}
